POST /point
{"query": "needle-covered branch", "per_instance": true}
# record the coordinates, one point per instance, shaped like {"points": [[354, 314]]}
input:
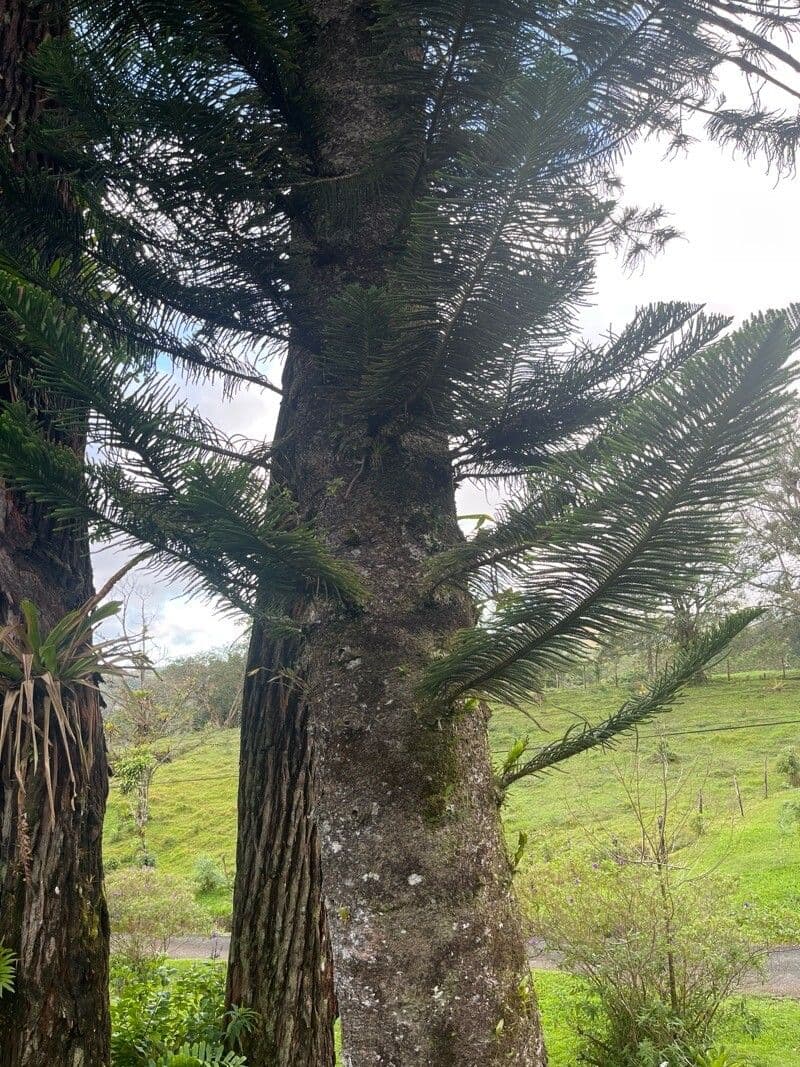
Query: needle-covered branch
{"points": [[656, 505], [659, 698]]}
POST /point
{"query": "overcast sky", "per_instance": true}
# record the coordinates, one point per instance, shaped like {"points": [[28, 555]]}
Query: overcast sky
{"points": [[740, 254]]}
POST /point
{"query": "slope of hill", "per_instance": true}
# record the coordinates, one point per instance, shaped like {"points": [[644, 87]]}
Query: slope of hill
{"points": [[715, 740]]}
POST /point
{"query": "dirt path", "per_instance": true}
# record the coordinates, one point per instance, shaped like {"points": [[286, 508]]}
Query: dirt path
{"points": [[781, 977]]}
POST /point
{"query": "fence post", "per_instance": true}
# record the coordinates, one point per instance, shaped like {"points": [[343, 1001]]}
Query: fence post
{"points": [[738, 795]]}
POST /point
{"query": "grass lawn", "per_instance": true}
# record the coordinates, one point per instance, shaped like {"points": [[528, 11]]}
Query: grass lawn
{"points": [[584, 806], [777, 1045], [193, 813], [193, 810]]}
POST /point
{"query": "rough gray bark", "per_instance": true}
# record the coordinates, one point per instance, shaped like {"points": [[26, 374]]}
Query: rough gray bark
{"points": [[52, 908], [428, 944]]}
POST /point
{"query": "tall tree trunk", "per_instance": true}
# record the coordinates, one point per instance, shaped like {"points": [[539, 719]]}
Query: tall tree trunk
{"points": [[53, 914], [52, 908], [280, 961], [427, 938], [428, 943]]}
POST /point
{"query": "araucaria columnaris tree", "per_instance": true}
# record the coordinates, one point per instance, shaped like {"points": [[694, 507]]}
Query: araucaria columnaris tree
{"points": [[408, 199], [53, 915]]}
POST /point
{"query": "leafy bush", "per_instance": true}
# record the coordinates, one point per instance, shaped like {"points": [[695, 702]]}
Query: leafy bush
{"points": [[163, 1016], [789, 764], [7, 961], [148, 908], [222, 920], [789, 817], [719, 1058], [208, 875], [658, 957]]}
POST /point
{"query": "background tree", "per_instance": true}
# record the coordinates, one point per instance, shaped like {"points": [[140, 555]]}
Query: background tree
{"points": [[208, 684], [711, 597], [416, 210], [774, 530]]}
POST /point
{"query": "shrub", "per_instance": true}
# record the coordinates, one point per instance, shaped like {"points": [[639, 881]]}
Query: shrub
{"points": [[658, 957], [208, 875], [719, 1058], [147, 909], [168, 1017], [789, 817], [789, 764]]}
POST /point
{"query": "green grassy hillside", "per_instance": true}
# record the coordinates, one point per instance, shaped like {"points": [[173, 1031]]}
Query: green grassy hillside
{"points": [[712, 738], [194, 798], [193, 813]]}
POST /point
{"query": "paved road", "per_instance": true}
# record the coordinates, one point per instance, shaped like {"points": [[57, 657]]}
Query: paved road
{"points": [[781, 978], [200, 948]]}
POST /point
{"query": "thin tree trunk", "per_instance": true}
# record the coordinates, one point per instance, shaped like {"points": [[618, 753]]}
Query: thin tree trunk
{"points": [[337, 753], [52, 908], [687, 633], [280, 962]]}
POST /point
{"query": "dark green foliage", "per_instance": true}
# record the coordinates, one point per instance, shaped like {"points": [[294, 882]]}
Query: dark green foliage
{"points": [[497, 173], [160, 1012], [193, 136], [159, 481], [650, 508], [636, 711]]}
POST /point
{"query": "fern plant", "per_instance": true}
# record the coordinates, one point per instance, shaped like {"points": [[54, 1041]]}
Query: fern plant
{"points": [[7, 970], [200, 1055]]}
